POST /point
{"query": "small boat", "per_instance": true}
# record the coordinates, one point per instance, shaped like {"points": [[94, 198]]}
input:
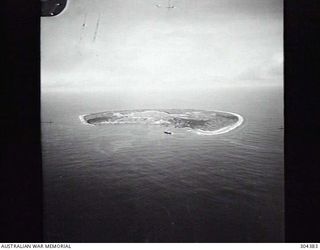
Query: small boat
{"points": [[168, 132]]}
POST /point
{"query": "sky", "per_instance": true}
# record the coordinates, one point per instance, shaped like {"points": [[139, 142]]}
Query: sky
{"points": [[197, 44]]}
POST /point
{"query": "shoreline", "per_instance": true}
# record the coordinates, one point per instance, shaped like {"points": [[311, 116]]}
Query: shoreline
{"points": [[222, 130], [83, 121], [197, 131]]}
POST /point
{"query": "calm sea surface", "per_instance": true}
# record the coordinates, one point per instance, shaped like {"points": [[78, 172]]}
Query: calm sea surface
{"points": [[133, 183]]}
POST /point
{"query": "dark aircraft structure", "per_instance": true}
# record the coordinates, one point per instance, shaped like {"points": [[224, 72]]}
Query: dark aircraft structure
{"points": [[52, 7]]}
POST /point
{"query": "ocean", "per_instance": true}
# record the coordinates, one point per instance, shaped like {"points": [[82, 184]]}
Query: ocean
{"points": [[133, 183]]}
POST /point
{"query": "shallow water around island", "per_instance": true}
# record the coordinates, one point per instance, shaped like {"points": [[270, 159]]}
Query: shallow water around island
{"points": [[201, 122], [133, 183]]}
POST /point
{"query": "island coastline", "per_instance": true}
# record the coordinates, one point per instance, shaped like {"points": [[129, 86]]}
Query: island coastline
{"points": [[198, 131]]}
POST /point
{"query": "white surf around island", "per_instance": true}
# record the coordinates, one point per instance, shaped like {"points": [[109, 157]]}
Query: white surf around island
{"points": [[83, 121], [153, 119], [222, 130]]}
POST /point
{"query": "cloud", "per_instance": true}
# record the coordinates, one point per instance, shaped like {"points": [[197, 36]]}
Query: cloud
{"points": [[201, 43]]}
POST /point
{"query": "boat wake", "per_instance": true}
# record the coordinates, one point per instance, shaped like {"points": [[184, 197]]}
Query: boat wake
{"points": [[198, 121]]}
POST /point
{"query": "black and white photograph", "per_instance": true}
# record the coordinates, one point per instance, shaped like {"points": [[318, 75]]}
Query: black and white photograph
{"points": [[163, 121]]}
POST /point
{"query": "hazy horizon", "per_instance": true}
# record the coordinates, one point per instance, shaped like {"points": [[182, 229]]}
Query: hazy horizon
{"points": [[198, 44]]}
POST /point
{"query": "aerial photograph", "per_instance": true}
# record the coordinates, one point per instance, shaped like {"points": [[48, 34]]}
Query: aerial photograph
{"points": [[162, 121]]}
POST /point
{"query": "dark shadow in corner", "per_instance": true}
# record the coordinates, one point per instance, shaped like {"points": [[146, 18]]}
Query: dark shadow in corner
{"points": [[52, 7]]}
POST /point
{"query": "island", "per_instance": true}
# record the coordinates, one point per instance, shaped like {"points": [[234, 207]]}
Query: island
{"points": [[202, 122]]}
